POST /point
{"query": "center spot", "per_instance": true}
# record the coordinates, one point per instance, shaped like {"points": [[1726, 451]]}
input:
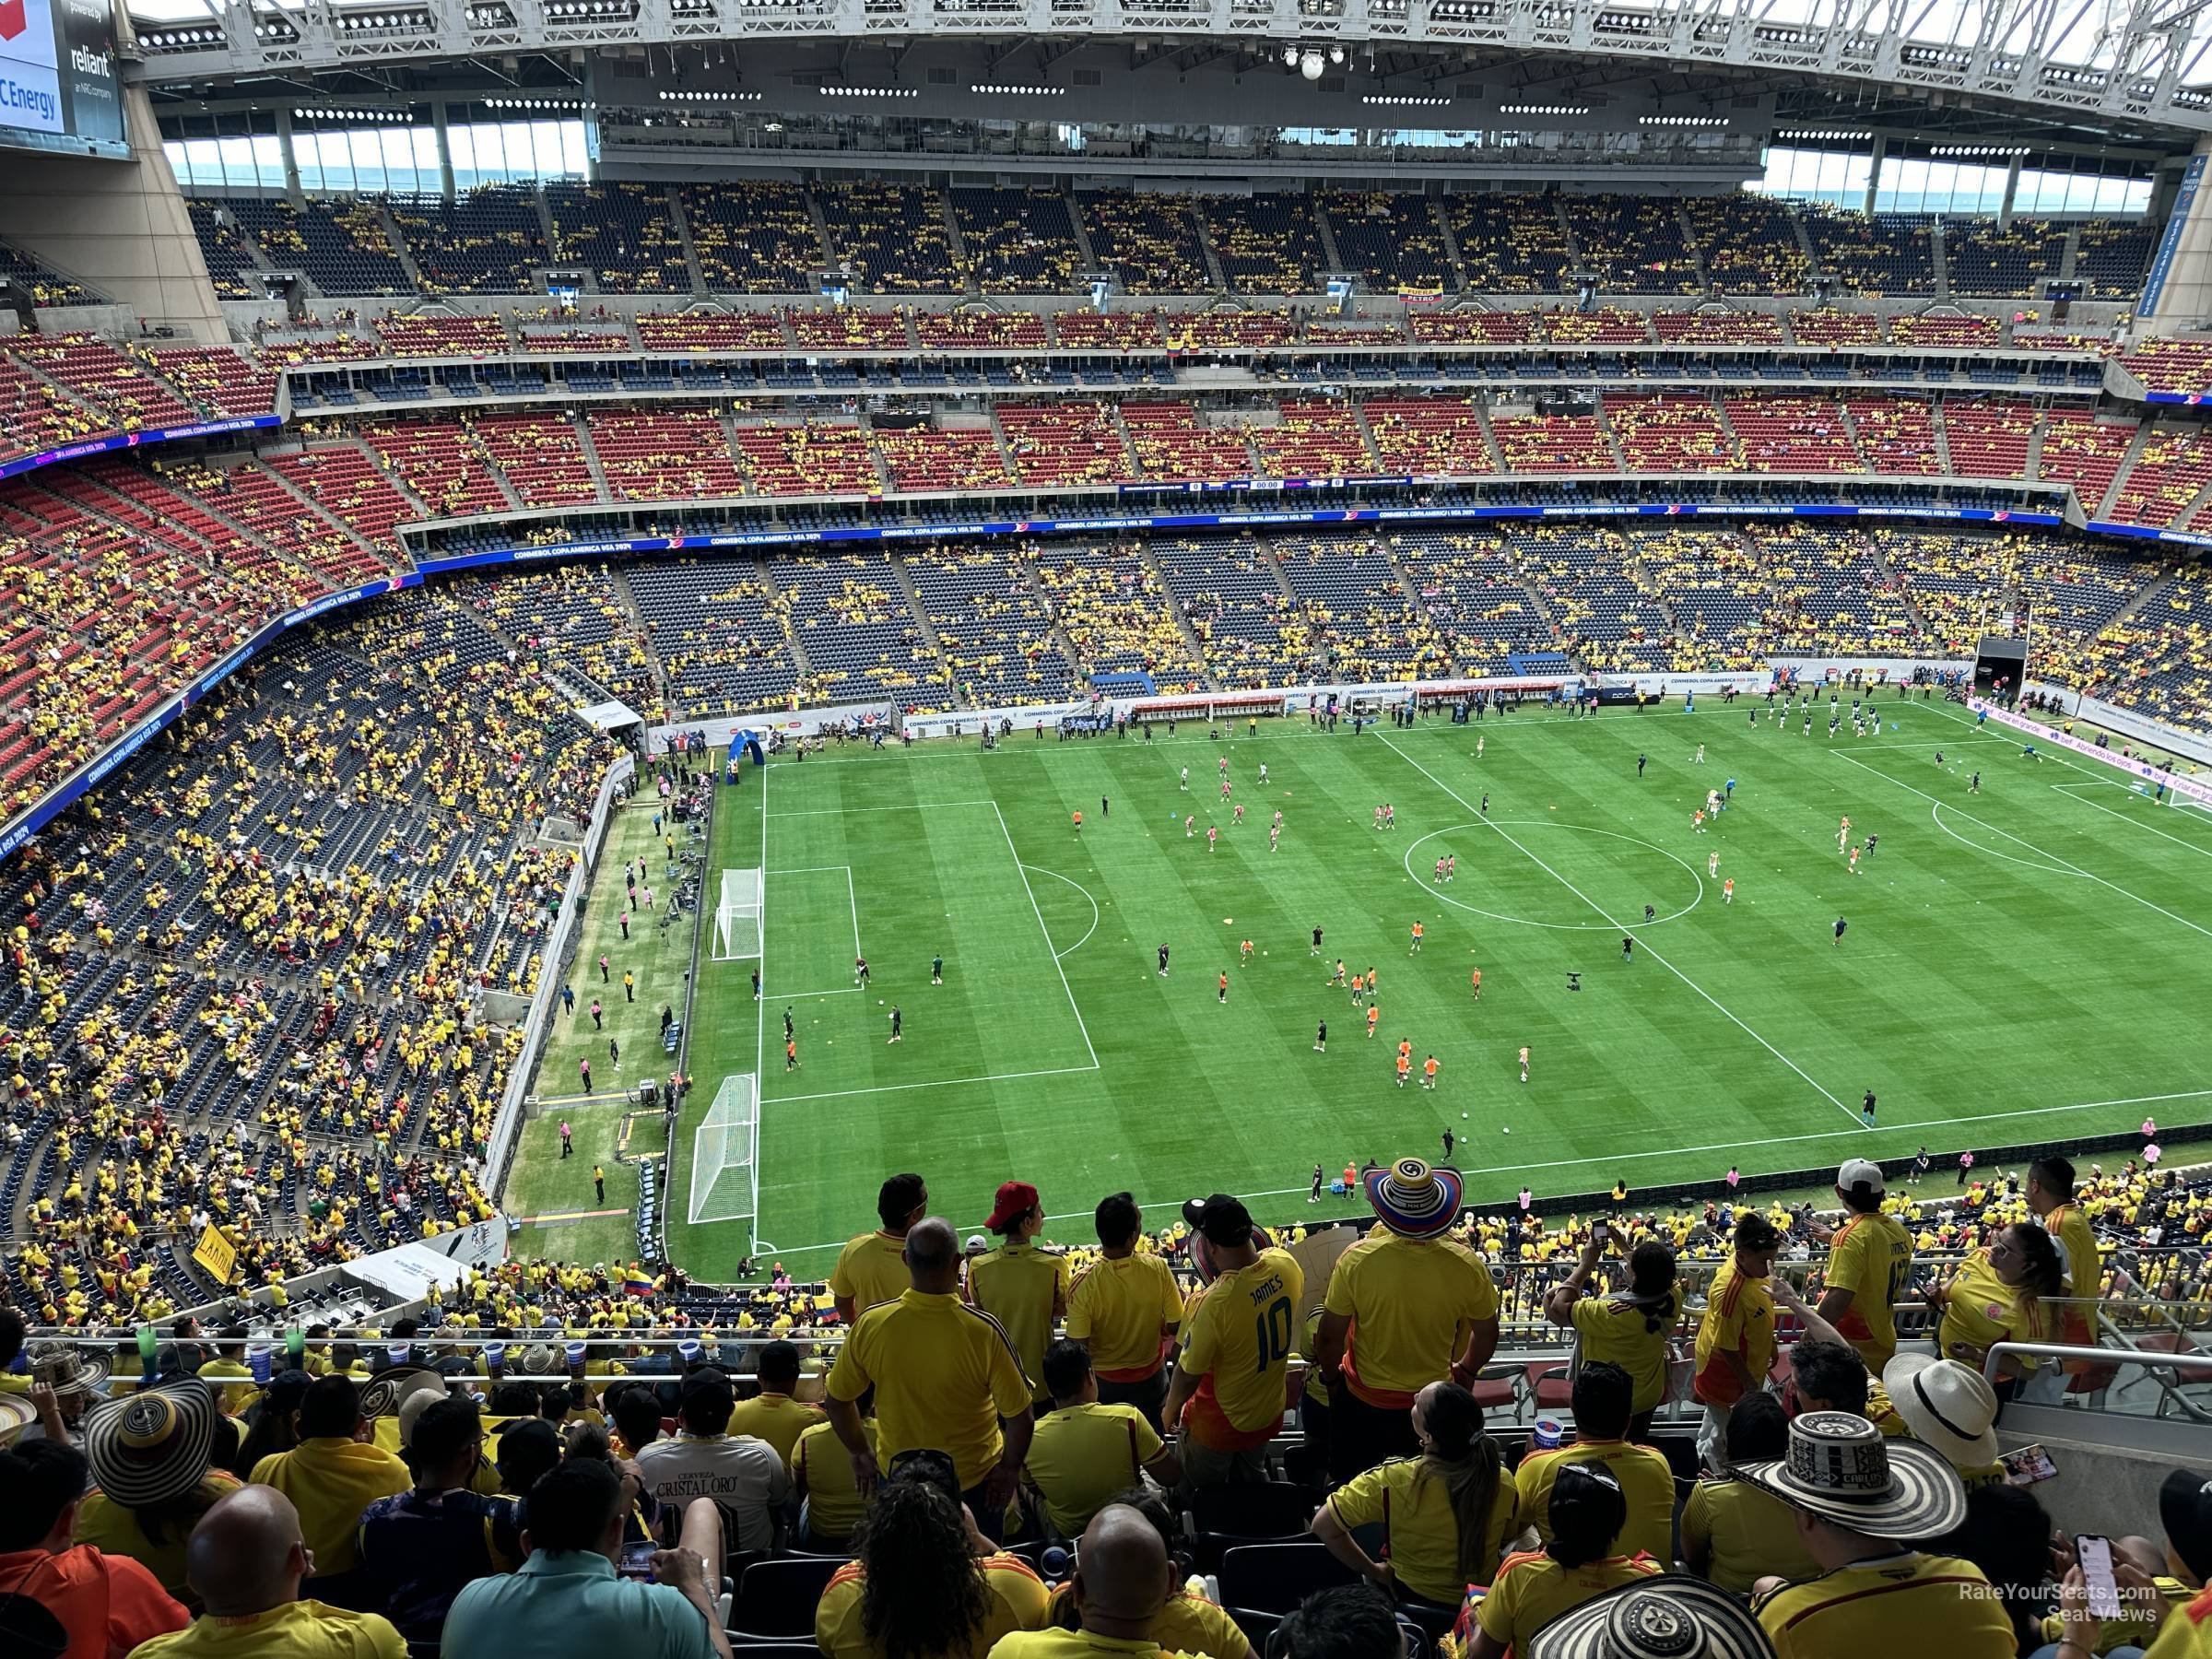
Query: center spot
{"points": [[1573, 878]]}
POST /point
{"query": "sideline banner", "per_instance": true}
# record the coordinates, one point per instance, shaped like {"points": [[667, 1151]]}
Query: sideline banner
{"points": [[2038, 731]]}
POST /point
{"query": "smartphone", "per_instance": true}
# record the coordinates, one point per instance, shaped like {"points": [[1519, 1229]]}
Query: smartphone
{"points": [[1601, 1234], [637, 1560], [2095, 1554], [2028, 1464]]}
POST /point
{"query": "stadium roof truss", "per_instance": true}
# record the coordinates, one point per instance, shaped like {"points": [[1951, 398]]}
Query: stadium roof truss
{"points": [[2144, 60]]}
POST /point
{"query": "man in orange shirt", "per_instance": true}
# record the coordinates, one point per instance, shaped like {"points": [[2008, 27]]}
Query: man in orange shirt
{"points": [[1736, 1337], [1477, 985], [103, 1603], [1373, 1014], [1405, 1066]]}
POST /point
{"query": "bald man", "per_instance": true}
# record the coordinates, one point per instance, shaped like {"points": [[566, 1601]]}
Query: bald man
{"points": [[944, 1374], [1123, 1579], [246, 1562]]}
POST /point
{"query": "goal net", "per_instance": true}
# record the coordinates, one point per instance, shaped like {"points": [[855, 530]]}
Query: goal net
{"points": [[737, 916], [725, 1170]]}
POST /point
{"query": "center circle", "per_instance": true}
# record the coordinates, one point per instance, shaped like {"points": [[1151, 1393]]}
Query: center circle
{"points": [[1616, 874]]}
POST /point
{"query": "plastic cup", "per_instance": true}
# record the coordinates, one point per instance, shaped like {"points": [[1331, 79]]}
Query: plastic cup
{"points": [[1549, 1435], [400, 1351], [575, 1359], [259, 1360], [495, 1358]]}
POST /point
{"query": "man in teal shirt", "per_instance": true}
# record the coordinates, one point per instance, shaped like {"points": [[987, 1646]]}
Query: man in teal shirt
{"points": [[565, 1602]]}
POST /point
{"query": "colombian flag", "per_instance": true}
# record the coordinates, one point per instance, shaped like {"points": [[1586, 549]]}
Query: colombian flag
{"points": [[636, 1284]]}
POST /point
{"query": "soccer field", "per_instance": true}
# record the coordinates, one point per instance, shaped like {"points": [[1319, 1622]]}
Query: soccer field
{"points": [[2023, 962]]}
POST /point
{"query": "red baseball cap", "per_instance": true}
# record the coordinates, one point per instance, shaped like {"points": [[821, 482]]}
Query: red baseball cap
{"points": [[1014, 1198]]}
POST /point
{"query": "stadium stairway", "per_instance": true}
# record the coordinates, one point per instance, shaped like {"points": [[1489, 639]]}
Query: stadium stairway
{"points": [[1612, 438], [398, 241], [1166, 590], [1327, 234], [693, 270], [1214, 270], [958, 243], [1697, 254], [923, 625], [1943, 435], [2136, 446]]}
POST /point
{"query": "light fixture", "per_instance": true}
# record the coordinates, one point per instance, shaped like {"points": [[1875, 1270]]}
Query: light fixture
{"points": [[1336, 54], [1543, 109], [1682, 121], [1289, 57], [1310, 65]]}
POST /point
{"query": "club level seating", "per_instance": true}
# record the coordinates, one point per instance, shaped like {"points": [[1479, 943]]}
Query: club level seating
{"points": [[980, 330], [594, 339], [215, 380], [1063, 443], [843, 328], [1669, 433], [442, 462], [291, 349], [36, 416], [1189, 330], [1313, 439], [2084, 451], [256, 500], [1605, 325], [930, 458], [118, 390], [711, 331], [1781, 433], [1965, 331], [540, 454], [1561, 443], [1989, 436], [2171, 363], [1477, 327], [809, 458], [1170, 442], [664, 455], [623, 234], [1108, 331], [2165, 480], [1428, 435], [1718, 328], [342, 480], [1895, 434], [1828, 326], [1149, 241]]}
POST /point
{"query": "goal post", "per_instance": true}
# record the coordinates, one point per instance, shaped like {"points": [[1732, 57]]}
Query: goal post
{"points": [[737, 917], [726, 1155]]}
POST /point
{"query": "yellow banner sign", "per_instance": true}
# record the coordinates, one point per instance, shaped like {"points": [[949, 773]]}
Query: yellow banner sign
{"points": [[217, 1254]]}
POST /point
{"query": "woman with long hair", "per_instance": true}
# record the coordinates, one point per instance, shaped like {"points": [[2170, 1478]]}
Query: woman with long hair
{"points": [[2002, 1293], [1588, 1512], [1632, 1327], [1445, 1515], [926, 1583]]}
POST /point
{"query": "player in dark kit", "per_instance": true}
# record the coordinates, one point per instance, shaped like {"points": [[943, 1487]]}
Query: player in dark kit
{"points": [[1316, 950], [1841, 926], [1640, 760], [1627, 947], [1163, 961]]}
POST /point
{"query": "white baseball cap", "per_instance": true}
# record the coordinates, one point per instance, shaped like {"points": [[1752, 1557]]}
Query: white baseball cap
{"points": [[1860, 1172]]}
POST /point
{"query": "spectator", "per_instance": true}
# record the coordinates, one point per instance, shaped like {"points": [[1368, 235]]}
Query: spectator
{"points": [[1951, 1409], [1665, 1617], [1632, 1328], [105, 1604], [271, 1423], [565, 1602], [2002, 1293], [943, 1374], [1022, 1287], [1588, 1511], [1231, 1384], [72, 1383], [1123, 1579], [1869, 1263], [529, 1451], [419, 1547], [822, 1478], [2170, 1612], [1736, 1339], [1732, 1532], [1406, 1306], [1861, 1501], [1601, 1396], [1083, 1452], [925, 1584], [743, 1475], [230, 1364], [2007, 1535], [872, 1267], [636, 1411], [1125, 1307], [2050, 1198], [1351, 1621], [150, 1454], [331, 1477], [1448, 1513], [772, 1414], [245, 1563], [1188, 1623], [1827, 1374]]}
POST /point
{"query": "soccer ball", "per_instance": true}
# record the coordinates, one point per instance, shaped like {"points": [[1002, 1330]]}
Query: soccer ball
{"points": [[1505, 1131], [1462, 1114]]}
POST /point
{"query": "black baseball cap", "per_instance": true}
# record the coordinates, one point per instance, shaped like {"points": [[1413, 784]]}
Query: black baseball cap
{"points": [[1222, 1219], [2185, 1511], [708, 1382]]}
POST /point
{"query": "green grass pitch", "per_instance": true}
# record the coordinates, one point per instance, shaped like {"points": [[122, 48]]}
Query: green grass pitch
{"points": [[2020, 963]]}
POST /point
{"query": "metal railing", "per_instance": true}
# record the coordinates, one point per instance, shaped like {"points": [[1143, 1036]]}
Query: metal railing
{"points": [[2179, 1381]]}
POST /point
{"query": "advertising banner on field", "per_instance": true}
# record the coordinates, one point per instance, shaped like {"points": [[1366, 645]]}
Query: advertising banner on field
{"points": [[2036, 731]]}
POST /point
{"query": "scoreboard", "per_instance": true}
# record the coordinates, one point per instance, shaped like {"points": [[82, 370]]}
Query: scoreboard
{"points": [[60, 85]]}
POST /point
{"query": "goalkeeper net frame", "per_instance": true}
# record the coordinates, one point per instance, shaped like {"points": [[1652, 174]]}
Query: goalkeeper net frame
{"points": [[737, 917], [726, 1155]]}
